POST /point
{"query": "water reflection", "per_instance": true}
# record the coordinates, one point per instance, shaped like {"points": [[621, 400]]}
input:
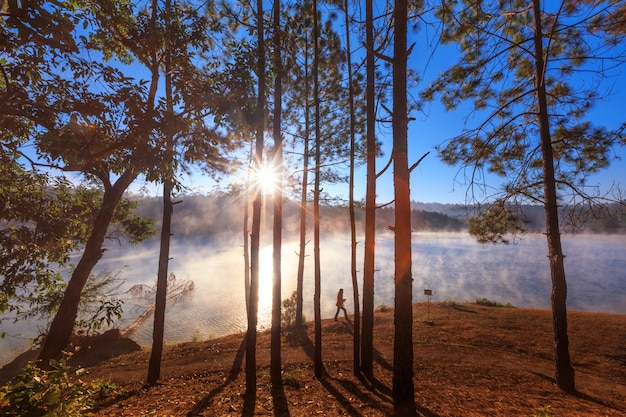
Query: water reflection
{"points": [[453, 266]]}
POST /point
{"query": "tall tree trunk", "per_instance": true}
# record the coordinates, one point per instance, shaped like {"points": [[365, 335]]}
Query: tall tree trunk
{"points": [[367, 341], [318, 365], [356, 342], [154, 365], [256, 215], [302, 246], [63, 323], [402, 392], [564, 370], [246, 240], [277, 165], [303, 198]]}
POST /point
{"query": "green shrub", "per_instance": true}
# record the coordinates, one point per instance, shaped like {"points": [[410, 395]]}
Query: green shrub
{"points": [[383, 309], [51, 393], [288, 316], [489, 303]]}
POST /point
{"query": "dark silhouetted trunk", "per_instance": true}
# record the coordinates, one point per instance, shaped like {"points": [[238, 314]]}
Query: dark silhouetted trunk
{"points": [[63, 323], [277, 165], [564, 370], [318, 365], [303, 198], [355, 283], [367, 336], [256, 216], [246, 240], [158, 332], [302, 246], [402, 392], [154, 365]]}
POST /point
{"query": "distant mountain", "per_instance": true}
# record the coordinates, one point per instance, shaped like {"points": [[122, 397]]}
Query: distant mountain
{"points": [[206, 215], [222, 214]]}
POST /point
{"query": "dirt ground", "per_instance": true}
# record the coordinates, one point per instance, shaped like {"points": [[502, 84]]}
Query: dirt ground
{"points": [[469, 360]]}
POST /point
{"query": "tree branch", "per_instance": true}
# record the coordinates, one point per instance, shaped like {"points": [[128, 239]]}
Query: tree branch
{"points": [[418, 161]]}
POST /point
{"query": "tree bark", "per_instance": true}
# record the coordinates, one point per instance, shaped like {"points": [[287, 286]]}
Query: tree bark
{"points": [[63, 323], [246, 240], [317, 361], [302, 246], [277, 165], [256, 217], [356, 342], [303, 199], [564, 370], [154, 365], [367, 340], [402, 391]]}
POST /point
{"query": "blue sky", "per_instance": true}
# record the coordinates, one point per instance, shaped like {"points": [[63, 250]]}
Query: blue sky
{"points": [[432, 180]]}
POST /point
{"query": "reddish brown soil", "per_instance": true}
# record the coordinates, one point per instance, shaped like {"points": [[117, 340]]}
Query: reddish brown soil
{"points": [[469, 361]]}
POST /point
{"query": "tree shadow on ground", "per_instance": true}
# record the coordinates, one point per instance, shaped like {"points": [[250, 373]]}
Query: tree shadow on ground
{"points": [[199, 408], [375, 394], [592, 399], [299, 337], [249, 403], [281, 409], [376, 354], [329, 382]]}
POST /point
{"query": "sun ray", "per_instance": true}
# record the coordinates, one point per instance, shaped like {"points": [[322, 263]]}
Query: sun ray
{"points": [[266, 177]]}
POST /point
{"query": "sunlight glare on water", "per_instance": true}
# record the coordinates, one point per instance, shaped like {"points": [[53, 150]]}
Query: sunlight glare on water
{"points": [[452, 265]]}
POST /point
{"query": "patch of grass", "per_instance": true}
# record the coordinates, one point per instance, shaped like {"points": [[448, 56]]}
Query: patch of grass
{"points": [[451, 303], [490, 303], [544, 412], [292, 380], [383, 309]]}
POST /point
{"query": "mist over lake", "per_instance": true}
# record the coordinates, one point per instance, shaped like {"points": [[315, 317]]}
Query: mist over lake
{"points": [[452, 265]]}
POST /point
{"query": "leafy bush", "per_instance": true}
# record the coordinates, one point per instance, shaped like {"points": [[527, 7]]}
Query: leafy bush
{"points": [[489, 303], [288, 316], [383, 308], [51, 393]]}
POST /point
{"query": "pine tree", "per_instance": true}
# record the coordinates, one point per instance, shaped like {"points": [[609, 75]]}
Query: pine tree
{"points": [[528, 70]]}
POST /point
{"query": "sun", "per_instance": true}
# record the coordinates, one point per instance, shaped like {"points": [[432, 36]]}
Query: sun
{"points": [[266, 178]]}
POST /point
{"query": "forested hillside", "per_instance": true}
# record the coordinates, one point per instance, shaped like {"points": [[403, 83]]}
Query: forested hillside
{"points": [[220, 213]]}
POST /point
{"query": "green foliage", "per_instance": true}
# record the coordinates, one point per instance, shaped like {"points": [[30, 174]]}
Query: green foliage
{"points": [[288, 316], [489, 303], [106, 314], [497, 71], [135, 228], [53, 393], [42, 221], [492, 224]]}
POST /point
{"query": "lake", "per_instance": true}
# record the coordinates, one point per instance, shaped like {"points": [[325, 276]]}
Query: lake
{"points": [[452, 265]]}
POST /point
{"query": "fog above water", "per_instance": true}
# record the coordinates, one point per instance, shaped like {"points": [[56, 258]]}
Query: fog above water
{"points": [[452, 265]]}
